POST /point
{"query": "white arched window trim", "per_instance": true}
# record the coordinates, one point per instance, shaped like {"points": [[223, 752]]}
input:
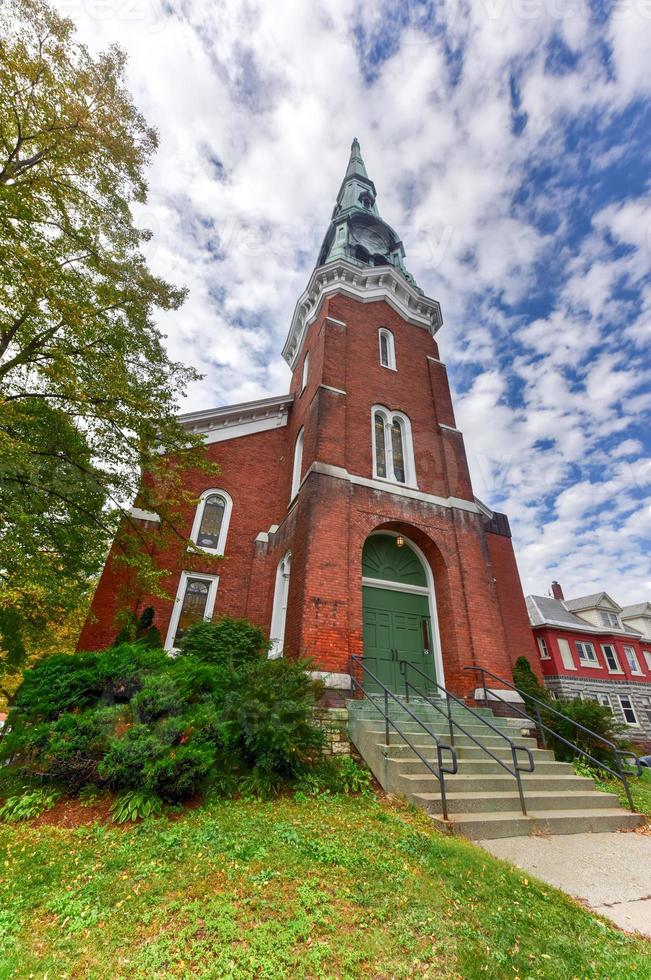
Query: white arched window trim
{"points": [[407, 446], [298, 465], [306, 368], [223, 531], [388, 349], [279, 614]]}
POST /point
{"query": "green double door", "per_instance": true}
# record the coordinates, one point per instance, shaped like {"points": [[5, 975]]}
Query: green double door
{"points": [[396, 627]]}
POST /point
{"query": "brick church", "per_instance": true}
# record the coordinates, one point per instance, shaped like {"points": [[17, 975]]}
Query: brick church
{"points": [[343, 520]]}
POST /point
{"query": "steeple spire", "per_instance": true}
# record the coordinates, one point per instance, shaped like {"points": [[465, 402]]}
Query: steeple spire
{"points": [[356, 164], [357, 233]]}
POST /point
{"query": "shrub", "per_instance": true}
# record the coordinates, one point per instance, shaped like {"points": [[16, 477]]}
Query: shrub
{"points": [[132, 718], [227, 643], [136, 805]]}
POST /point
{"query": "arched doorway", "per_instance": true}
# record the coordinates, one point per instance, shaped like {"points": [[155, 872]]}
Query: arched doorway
{"points": [[398, 611]]}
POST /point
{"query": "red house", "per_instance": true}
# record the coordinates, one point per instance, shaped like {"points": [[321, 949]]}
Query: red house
{"points": [[344, 510], [591, 647]]}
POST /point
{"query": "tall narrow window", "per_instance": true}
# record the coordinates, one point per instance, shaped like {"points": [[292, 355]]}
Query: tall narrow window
{"points": [[380, 447], [628, 710], [631, 659], [298, 465], [542, 646], [387, 349], [211, 521], [393, 454], [306, 368], [610, 656], [195, 600], [279, 614]]}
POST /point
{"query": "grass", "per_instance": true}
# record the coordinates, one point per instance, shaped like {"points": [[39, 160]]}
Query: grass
{"points": [[325, 887], [640, 791]]}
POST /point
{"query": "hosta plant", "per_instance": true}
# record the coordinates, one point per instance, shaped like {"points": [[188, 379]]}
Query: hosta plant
{"points": [[28, 805], [136, 804]]}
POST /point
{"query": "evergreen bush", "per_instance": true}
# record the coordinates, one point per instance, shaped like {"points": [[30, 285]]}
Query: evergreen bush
{"points": [[133, 718]]}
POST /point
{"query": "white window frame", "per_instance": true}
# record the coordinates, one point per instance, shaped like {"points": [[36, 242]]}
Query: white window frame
{"points": [[198, 516], [632, 724], [298, 464], [611, 670], [178, 603], [647, 656], [543, 648], [391, 348], [631, 655], [279, 612], [606, 619], [306, 369], [601, 698], [407, 447], [583, 660]]}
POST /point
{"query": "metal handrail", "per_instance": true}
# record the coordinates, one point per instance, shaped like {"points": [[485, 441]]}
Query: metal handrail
{"points": [[517, 769], [619, 754], [388, 721]]}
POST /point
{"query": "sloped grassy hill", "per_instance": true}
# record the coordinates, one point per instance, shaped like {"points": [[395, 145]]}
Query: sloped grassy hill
{"points": [[327, 887]]}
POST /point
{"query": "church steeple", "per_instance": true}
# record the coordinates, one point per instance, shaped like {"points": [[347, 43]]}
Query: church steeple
{"points": [[357, 233]]}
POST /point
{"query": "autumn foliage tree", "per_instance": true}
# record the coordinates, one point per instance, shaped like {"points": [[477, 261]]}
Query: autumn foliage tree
{"points": [[88, 395]]}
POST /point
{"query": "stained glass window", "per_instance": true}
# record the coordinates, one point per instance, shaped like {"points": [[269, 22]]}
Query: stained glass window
{"points": [[211, 521], [397, 451], [380, 449], [194, 605]]}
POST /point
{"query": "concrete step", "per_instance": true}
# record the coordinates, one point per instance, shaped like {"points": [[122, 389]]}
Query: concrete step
{"points": [[461, 741], [480, 767], [501, 801], [490, 825], [440, 726], [463, 782], [465, 753]]}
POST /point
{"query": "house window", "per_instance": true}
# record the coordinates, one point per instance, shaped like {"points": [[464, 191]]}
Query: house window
{"points": [[647, 656], [211, 521], [387, 349], [298, 465], [542, 646], [306, 368], [631, 659], [195, 601], [602, 699], [566, 654], [611, 659], [609, 619], [587, 655], [279, 613], [629, 711], [393, 456]]}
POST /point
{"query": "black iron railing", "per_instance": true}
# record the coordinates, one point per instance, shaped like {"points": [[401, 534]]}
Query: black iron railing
{"points": [[453, 723], [390, 723], [618, 754]]}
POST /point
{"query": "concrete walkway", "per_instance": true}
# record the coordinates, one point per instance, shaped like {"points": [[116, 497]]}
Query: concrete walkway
{"points": [[611, 873]]}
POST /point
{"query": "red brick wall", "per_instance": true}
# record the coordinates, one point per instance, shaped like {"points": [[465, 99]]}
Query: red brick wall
{"points": [[478, 595]]}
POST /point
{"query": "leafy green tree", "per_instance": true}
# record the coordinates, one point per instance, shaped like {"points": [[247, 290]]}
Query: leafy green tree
{"points": [[88, 395]]}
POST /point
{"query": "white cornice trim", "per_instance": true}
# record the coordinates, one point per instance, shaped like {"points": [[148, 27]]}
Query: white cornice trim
{"points": [[144, 515], [451, 428], [234, 421], [396, 489], [368, 286], [338, 391]]}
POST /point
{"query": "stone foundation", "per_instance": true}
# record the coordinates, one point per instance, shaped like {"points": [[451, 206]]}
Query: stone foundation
{"points": [[334, 722]]}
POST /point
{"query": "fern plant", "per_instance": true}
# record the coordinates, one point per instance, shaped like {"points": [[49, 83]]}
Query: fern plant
{"points": [[29, 805], [136, 804]]}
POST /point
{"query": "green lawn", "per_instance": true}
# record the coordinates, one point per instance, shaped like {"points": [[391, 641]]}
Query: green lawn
{"points": [[640, 791], [328, 887]]}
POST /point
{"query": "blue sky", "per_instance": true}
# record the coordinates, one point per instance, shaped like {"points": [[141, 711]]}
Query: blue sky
{"points": [[510, 142]]}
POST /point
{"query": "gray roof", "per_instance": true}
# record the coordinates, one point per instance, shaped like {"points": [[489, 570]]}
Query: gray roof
{"points": [[639, 609], [544, 610], [589, 601]]}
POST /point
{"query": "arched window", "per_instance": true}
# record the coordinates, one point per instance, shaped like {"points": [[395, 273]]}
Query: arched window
{"points": [[211, 521], [306, 368], [298, 465], [393, 453], [278, 616], [387, 349]]}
